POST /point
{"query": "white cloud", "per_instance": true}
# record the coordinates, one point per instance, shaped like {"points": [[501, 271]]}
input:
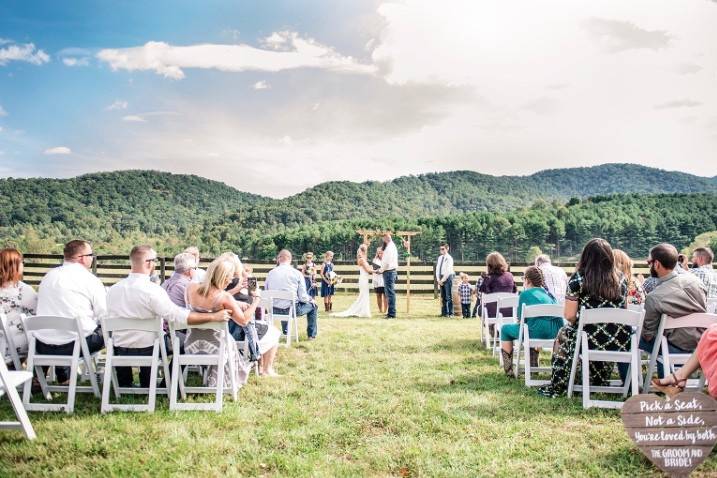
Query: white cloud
{"points": [[118, 105], [261, 85], [617, 35], [169, 60], [134, 119], [72, 61], [685, 103], [23, 52], [58, 150]]}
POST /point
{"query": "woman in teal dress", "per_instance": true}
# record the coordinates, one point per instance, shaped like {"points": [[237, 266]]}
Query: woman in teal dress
{"points": [[534, 293]]}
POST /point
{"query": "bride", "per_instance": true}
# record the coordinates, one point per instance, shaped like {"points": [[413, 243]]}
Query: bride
{"points": [[362, 306]]}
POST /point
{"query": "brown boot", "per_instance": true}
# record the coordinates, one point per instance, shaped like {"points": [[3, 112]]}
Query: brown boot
{"points": [[507, 363], [534, 353]]}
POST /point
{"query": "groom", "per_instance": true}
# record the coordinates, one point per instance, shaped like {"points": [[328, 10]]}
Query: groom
{"points": [[389, 265]]}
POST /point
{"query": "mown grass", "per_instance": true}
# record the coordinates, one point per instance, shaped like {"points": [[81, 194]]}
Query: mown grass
{"points": [[409, 397]]}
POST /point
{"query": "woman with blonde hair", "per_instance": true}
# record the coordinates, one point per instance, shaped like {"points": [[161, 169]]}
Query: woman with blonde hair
{"points": [[362, 305], [623, 263], [210, 296]]}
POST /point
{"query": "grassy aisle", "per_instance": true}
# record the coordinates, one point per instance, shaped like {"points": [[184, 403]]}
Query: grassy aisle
{"points": [[411, 397]]}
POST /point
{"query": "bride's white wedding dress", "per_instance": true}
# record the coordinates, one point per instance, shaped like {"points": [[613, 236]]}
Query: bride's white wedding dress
{"points": [[362, 305]]}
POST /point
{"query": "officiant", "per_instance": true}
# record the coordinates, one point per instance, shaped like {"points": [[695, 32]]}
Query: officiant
{"points": [[444, 278]]}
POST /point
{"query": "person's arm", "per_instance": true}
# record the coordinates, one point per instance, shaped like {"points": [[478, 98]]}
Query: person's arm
{"points": [[651, 322], [241, 317], [162, 306], [365, 266], [449, 269], [99, 298], [571, 309], [301, 294]]}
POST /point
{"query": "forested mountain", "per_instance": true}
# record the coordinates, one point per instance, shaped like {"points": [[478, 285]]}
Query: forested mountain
{"points": [[475, 212]]}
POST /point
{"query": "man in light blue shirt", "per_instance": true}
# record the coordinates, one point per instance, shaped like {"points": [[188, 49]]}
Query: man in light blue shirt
{"points": [[285, 277]]}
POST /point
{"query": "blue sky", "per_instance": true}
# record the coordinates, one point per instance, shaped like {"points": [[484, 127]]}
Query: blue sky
{"points": [[272, 97]]}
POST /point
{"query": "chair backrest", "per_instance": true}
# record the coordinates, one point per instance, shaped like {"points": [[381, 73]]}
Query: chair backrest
{"points": [[510, 302], [542, 310], [611, 315], [211, 326], [699, 320], [495, 297], [50, 322], [145, 325], [636, 307], [279, 294]]}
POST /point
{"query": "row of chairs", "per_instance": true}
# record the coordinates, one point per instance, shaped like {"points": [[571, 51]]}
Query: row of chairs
{"points": [[632, 317], [86, 367]]}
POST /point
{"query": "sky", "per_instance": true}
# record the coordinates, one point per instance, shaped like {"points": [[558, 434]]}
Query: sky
{"points": [[272, 97]]}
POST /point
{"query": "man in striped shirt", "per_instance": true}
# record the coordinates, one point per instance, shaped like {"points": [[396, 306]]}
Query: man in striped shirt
{"points": [[702, 258], [556, 280]]}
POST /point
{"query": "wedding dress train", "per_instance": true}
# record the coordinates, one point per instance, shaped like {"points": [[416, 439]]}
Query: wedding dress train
{"points": [[362, 305]]}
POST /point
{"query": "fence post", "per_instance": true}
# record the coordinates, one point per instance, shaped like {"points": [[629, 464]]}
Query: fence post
{"points": [[435, 284], [162, 269]]}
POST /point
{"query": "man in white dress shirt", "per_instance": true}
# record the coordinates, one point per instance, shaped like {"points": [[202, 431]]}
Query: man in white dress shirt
{"points": [[444, 277], [555, 278], [285, 277], [136, 297], [389, 268], [71, 290]]}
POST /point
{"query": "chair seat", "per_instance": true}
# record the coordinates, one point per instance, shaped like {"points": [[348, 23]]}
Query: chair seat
{"points": [[15, 379]]}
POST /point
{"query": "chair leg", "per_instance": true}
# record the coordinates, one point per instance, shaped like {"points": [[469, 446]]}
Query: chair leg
{"points": [[153, 378], [73, 382], [20, 412], [106, 383], [177, 376]]}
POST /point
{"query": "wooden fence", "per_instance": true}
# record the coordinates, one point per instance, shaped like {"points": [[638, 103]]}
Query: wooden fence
{"points": [[111, 269]]}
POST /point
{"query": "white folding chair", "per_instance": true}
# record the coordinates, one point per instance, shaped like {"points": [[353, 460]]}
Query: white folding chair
{"points": [[526, 343], [486, 321], [159, 355], [80, 356], [7, 343], [500, 320], [9, 381], [636, 307], [661, 351], [585, 354], [292, 321], [204, 360]]}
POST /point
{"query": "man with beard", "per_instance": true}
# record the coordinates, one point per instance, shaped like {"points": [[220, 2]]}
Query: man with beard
{"points": [[676, 295]]}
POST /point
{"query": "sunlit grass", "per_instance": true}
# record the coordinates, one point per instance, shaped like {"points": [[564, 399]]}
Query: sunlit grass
{"points": [[374, 397]]}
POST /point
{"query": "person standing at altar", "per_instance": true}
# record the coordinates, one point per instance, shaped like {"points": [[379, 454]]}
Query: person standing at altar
{"points": [[389, 268], [444, 278]]}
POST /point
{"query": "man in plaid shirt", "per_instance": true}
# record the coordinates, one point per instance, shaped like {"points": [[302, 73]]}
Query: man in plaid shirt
{"points": [[556, 280], [702, 258]]}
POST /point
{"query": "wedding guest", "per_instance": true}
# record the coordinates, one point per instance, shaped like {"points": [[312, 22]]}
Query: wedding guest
{"points": [[16, 299], [286, 278], [327, 284], [378, 286], [545, 327], [389, 268], [705, 358], [476, 291], [682, 262], [675, 295], [198, 273], [498, 279], [71, 290], [556, 280], [596, 283], [136, 297], [185, 266], [635, 293], [211, 297], [308, 270], [465, 290], [444, 278], [649, 284], [702, 259]]}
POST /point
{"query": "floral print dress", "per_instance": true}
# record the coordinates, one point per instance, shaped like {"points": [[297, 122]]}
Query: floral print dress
{"points": [[600, 336]]}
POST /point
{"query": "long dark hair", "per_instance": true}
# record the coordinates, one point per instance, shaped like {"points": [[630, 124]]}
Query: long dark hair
{"points": [[597, 267]]}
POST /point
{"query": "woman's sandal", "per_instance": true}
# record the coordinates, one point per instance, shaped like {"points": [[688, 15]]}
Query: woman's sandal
{"points": [[677, 386]]}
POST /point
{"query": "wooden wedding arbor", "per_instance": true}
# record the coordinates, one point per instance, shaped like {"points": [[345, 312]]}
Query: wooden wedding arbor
{"points": [[405, 236]]}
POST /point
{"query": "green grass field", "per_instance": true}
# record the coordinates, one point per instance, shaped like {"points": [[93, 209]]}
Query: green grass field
{"points": [[408, 397]]}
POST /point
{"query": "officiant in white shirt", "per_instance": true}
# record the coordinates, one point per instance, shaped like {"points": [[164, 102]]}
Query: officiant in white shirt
{"points": [[136, 297], [444, 278]]}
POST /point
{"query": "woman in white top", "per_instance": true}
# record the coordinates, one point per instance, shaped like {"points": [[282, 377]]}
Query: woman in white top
{"points": [[378, 286], [361, 306], [16, 298]]}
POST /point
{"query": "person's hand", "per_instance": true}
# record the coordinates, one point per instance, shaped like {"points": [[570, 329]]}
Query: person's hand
{"points": [[221, 316]]}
